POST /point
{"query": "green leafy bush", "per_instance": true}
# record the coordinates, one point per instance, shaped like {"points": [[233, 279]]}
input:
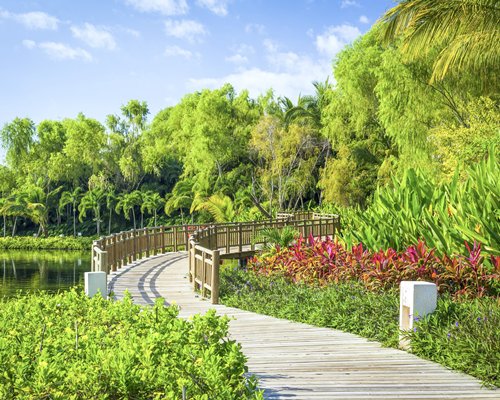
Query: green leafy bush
{"points": [[48, 243], [444, 215], [460, 335], [68, 346]]}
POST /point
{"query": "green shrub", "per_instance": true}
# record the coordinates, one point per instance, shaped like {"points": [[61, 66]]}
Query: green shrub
{"points": [[68, 346], [48, 243]]}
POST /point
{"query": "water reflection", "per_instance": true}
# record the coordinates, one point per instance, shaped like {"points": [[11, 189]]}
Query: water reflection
{"points": [[24, 270]]}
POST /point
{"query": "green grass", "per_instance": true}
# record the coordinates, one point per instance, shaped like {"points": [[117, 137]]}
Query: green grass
{"points": [[472, 347], [67, 346]]}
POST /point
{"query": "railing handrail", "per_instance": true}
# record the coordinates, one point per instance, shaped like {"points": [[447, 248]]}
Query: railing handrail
{"points": [[204, 242]]}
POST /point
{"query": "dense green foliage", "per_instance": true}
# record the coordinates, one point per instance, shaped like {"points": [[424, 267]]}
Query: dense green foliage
{"points": [[453, 336], [68, 346], [49, 243], [403, 97], [445, 215]]}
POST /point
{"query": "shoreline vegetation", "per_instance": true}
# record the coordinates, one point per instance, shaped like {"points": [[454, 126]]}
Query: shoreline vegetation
{"points": [[46, 243]]}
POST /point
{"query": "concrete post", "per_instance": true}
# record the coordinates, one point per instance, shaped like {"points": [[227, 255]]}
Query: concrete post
{"points": [[416, 299], [95, 282]]}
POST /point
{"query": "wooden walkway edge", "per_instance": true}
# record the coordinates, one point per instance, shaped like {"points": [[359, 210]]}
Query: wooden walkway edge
{"points": [[299, 361]]}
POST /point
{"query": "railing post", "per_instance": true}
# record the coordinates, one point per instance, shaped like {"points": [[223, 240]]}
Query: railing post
{"points": [[195, 264], [214, 284], [252, 242], [175, 237], [203, 273], [240, 237], [162, 238], [228, 250], [134, 244]]}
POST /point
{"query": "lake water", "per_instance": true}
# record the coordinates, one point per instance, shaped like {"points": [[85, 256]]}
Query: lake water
{"points": [[51, 271]]}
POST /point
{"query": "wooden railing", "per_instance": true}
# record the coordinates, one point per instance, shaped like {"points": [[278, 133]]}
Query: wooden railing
{"points": [[206, 245]]}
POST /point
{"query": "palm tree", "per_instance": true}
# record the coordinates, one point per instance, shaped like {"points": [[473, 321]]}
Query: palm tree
{"points": [[126, 203], [72, 198], [466, 31], [276, 239], [3, 202], [38, 213], [151, 203], [220, 206], [110, 204], [15, 206], [92, 200], [180, 199], [308, 108]]}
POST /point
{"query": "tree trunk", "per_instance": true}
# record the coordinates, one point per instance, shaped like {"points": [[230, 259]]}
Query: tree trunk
{"points": [[14, 226], [109, 222], [155, 216], [133, 217], [74, 221], [142, 220], [4, 226]]}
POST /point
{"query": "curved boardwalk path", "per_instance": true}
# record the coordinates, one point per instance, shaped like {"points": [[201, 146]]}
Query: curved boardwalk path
{"points": [[298, 361]]}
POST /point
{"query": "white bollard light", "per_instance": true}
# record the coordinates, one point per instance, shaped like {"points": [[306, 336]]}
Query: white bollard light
{"points": [[96, 282], [416, 299]]}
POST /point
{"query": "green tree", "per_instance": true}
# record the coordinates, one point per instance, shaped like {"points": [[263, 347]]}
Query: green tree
{"points": [[93, 201], [152, 201], [68, 197], [220, 207], [17, 138], [126, 204]]}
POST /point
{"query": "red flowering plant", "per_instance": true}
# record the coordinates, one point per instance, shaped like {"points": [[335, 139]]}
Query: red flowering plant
{"points": [[321, 262]]}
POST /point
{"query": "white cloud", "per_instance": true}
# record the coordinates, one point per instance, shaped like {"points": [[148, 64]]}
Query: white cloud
{"points": [[176, 51], [255, 28], [33, 20], [218, 7], [270, 45], [185, 29], [165, 7], [335, 38], [257, 81], [133, 32], [94, 37], [237, 59], [29, 44], [364, 19], [61, 51], [349, 3], [288, 74]]}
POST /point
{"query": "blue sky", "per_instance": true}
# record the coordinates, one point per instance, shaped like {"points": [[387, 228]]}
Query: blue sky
{"points": [[62, 57]]}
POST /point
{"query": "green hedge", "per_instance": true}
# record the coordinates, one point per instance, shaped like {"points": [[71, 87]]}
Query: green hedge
{"points": [[49, 243], [463, 336], [67, 346]]}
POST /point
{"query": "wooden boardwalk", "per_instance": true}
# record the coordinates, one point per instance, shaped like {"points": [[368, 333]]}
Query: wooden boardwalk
{"points": [[299, 361]]}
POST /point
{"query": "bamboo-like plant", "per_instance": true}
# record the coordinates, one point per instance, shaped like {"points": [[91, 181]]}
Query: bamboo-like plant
{"points": [[444, 215]]}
